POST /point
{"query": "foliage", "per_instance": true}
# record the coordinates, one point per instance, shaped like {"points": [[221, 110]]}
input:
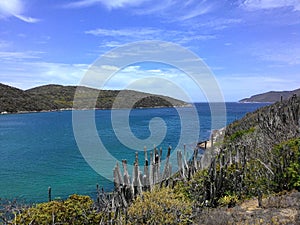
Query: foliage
{"points": [[241, 133], [9, 208], [287, 165], [257, 178], [54, 97], [228, 200], [75, 210], [160, 206], [195, 188]]}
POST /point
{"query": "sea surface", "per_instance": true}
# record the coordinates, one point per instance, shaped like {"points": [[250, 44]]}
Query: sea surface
{"points": [[38, 150]]}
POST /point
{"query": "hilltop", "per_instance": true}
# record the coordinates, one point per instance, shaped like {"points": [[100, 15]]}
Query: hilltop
{"points": [[271, 96], [14, 100], [56, 97]]}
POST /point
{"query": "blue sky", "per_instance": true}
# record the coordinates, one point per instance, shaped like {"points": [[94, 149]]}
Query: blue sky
{"points": [[251, 46]]}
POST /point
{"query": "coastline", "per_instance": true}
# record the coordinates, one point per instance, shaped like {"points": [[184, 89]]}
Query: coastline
{"points": [[215, 137], [250, 102], [71, 109], [42, 111]]}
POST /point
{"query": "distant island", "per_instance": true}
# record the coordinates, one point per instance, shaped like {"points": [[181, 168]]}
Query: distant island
{"points": [[271, 96], [57, 97]]}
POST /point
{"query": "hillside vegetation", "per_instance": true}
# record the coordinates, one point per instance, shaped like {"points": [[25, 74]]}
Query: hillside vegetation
{"points": [[55, 97], [259, 156], [14, 100]]}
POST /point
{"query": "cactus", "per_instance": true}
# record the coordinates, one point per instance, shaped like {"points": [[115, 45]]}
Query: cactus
{"points": [[49, 194]]}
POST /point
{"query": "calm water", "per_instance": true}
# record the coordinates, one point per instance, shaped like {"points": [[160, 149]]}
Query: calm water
{"points": [[38, 150]]}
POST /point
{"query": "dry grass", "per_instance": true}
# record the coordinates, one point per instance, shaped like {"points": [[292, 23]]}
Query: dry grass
{"points": [[281, 209]]}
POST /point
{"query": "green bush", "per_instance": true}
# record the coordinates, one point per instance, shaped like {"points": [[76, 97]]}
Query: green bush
{"points": [[228, 200], [160, 206], [287, 165], [75, 210], [241, 133]]}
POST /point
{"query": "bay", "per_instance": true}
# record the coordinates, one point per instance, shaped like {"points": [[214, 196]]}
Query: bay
{"points": [[38, 150]]}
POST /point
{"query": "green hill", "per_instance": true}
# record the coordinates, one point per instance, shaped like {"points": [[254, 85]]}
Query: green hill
{"points": [[15, 100], [55, 97], [271, 96]]}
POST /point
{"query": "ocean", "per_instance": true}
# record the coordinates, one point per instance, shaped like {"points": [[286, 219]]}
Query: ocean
{"points": [[38, 150]]}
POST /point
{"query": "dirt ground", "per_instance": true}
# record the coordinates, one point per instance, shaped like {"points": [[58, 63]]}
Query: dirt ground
{"points": [[283, 209]]}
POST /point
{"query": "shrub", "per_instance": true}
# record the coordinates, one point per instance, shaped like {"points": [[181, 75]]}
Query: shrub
{"points": [[195, 189], [228, 200], [241, 133], [75, 210], [160, 206], [287, 165]]}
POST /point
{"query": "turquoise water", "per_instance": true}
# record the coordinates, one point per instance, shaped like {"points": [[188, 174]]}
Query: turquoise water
{"points": [[38, 150]]}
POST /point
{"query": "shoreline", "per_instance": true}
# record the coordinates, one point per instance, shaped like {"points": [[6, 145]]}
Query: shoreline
{"points": [[187, 105], [71, 109]]}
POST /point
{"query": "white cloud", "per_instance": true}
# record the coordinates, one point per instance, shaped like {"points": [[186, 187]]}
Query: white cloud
{"points": [[199, 10], [111, 44], [167, 81], [177, 10], [218, 23], [27, 19], [171, 10], [14, 8], [13, 56], [25, 70], [271, 4], [134, 34], [110, 4], [109, 67], [195, 37]]}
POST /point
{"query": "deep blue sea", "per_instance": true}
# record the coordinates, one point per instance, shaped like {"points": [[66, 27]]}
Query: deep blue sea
{"points": [[38, 150]]}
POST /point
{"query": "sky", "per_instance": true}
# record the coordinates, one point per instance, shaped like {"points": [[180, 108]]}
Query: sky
{"points": [[250, 46]]}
